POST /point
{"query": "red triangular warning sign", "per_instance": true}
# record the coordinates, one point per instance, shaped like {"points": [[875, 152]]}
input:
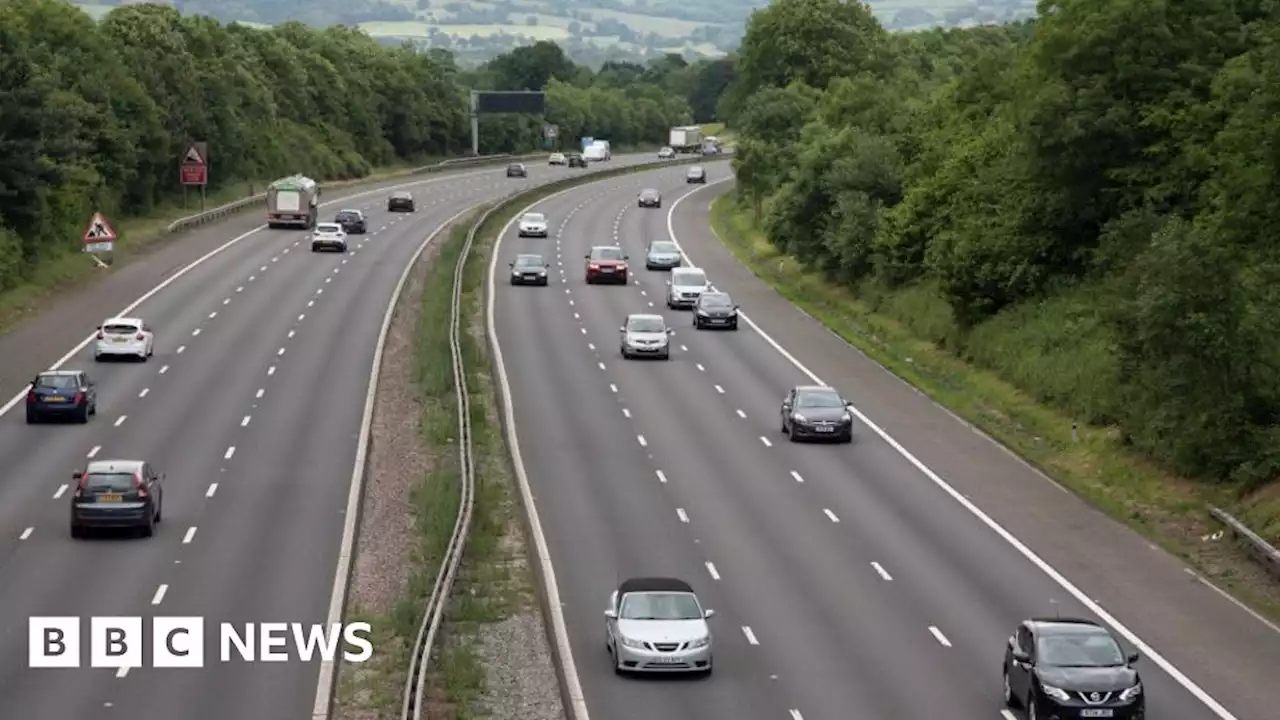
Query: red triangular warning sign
{"points": [[99, 230], [193, 156]]}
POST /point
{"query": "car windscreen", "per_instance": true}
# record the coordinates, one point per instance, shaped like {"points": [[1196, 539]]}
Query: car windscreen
{"points": [[529, 261], [1079, 650], [348, 215], [663, 247], [110, 482], [716, 301], [660, 606], [818, 399], [119, 329], [535, 218], [607, 253], [689, 279], [650, 193], [645, 325], [57, 382]]}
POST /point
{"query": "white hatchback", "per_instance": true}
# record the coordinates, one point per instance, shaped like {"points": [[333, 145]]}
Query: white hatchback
{"points": [[329, 236], [124, 337]]}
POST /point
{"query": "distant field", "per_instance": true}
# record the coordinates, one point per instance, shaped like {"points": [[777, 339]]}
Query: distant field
{"points": [[423, 30], [666, 27]]}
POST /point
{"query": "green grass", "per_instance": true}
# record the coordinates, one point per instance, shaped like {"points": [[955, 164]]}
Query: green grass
{"points": [[905, 331]]}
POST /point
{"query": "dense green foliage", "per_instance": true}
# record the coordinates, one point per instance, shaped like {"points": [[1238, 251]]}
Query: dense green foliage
{"points": [[1085, 202]]}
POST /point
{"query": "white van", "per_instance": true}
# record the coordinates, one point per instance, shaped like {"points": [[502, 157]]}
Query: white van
{"points": [[685, 287], [594, 153], [604, 145]]}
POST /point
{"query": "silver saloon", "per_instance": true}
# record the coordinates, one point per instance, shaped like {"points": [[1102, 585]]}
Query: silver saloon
{"points": [[657, 625], [662, 255], [646, 336]]}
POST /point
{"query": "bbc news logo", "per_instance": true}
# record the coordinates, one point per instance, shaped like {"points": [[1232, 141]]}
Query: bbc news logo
{"points": [[179, 642]]}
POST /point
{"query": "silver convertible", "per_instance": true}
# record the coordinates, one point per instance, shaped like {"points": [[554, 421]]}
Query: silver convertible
{"points": [[656, 624]]}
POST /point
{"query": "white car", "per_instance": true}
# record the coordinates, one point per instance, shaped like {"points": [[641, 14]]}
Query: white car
{"points": [[533, 225], [329, 236], [124, 337], [666, 153], [558, 159]]}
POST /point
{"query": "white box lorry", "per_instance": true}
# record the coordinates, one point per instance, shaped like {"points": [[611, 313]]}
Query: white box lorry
{"points": [[686, 139]]}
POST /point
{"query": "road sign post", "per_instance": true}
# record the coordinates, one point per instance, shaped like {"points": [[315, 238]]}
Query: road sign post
{"points": [[194, 169], [99, 237]]}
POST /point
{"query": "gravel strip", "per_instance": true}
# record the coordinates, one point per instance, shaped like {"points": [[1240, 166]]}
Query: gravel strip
{"points": [[520, 681]]}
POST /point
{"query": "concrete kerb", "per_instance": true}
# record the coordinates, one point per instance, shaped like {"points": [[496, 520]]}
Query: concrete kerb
{"points": [[572, 697], [236, 206]]}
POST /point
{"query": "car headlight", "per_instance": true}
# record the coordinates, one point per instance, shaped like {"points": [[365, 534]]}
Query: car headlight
{"points": [[542, 273], [700, 643], [704, 313], [797, 417], [1131, 693], [515, 272], [1056, 693], [631, 643], [846, 418]]}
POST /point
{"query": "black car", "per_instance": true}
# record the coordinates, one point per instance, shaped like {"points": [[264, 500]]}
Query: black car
{"points": [[517, 170], [352, 222], [576, 160], [650, 198], [529, 270], [401, 202], [117, 494], [696, 174], [715, 310], [816, 412], [1071, 668], [62, 394]]}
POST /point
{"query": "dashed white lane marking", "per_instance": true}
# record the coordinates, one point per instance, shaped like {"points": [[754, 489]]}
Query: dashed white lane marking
{"points": [[240, 289], [320, 291], [213, 314], [795, 715], [1008, 715], [94, 451], [262, 269], [62, 489], [301, 316], [328, 280], [245, 421], [144, 392], [311, 303], [26, 533], [601, 365], [226, 301], [830, 515], [591, 347], [751, 637], [271, 370], [191, 533], [584, 330], [684, 516], [937, 635], [159, 596], [570, 303], [213, 488], [766, 442], [181, 349], [650, 303], [252, 278], [164, 369], [290, 333], [719, 389], [626, 413], [643, 442], [742, 414], [120, 420], [700, 368], [260, 392], [230, 451], [613, 388], [662, 477], [711, 568], [879, 569], [120, 673], [195, 332], [796, 476]]}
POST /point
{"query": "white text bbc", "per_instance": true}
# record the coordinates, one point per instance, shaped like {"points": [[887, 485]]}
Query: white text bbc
{"points": [[178, 642]]}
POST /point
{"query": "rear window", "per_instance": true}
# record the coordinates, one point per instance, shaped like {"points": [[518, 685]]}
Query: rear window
{"points": [[120, 329], [328, 228], [56, 382], [110, 482], [348, 215]]}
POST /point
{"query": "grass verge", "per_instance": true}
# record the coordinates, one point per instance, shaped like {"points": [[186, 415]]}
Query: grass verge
{"points": [[1166, 509]]}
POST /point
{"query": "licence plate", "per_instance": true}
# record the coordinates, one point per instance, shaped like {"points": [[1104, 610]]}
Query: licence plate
{"points": [[110, 498], [119, 340], [1097, 712], [606, 269], [55, 398], [825, 428], [667, 660]]}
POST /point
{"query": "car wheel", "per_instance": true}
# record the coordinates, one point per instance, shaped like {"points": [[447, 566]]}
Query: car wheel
{"points": [[1009, 699], [784, 426], [847, 439], [32, 418], [734, 326], [149, 528], [77, 532], [83, 416], [666, 355], [623, 350], [159, 507], [93, 409], [791, 434]]}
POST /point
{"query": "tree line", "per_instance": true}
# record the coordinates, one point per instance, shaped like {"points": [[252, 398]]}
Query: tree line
{"points": [[1082, 202], [94, 116]]}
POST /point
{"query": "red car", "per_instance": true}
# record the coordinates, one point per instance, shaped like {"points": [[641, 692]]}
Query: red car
{"points": [[606, 263]]}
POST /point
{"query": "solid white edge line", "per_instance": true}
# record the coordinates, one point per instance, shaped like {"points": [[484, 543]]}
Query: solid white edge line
{"points": [[577, 709], [350, 522], [1187, 683], [446, 176]]}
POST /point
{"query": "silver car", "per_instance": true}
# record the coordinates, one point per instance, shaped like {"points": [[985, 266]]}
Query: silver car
{"points": [[656, 624], [685, 287], [532, 225], [646, 336], [662, 255]]}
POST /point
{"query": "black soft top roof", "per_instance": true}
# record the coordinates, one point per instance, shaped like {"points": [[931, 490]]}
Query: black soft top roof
{"points": [[653, 584]]}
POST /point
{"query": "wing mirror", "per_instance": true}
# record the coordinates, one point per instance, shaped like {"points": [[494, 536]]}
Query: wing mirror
{"points": [[511, 264], [626, 257], [1133, 657], [671, 331], [1021, 656], [668, 283], [709, 613], [546, 265], [611, 614], [77, 475], [622, 328], [735, 307], [587, 256]]}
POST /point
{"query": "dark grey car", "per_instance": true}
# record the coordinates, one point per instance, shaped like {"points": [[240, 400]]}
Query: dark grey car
{"points": [[650, 198], [529, 270], [117, 494], [715, 310], [662, 255], [816, 412]]}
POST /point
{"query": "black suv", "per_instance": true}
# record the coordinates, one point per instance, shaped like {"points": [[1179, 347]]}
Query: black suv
{"points": [[517, 170], [352, 222], [1071, 668], [400, 202], [576, 160], [715, 310]]}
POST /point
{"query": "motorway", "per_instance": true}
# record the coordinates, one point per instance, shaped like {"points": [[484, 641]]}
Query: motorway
{"points": [[846, 585], [252, 407]]}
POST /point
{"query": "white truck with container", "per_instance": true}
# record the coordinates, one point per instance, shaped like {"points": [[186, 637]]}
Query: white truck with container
{"points": [[686, 139], [293, 202], [597, 151]]}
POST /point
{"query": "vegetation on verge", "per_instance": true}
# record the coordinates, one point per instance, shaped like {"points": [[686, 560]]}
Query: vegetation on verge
{"points": [[1079, 205]]}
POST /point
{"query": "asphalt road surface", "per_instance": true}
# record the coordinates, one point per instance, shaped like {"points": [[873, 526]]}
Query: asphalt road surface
{"points": [[251, 406], [846, 584]]}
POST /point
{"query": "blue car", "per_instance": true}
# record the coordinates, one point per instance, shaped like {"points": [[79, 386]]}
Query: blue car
{"points": [[62, 394]]}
